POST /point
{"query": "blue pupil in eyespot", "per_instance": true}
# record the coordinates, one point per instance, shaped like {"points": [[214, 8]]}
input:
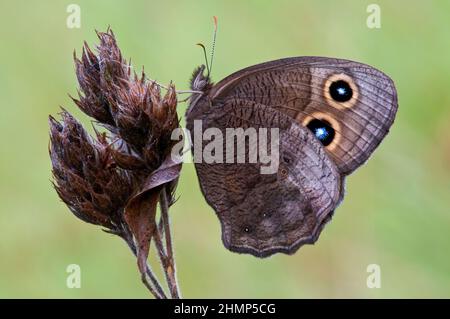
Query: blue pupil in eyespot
{"points": [[322, 130], [321, 133], [341, 91]]}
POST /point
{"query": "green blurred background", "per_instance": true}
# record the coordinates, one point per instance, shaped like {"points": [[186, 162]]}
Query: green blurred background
{"points": [[397, 208]]}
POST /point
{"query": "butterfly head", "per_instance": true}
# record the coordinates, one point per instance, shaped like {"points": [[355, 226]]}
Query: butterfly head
{"points": [[200, 82]]}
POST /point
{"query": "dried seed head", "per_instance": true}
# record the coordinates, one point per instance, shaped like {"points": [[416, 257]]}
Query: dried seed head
{"points": [[128, 105], [115, 180], [85, 175]]}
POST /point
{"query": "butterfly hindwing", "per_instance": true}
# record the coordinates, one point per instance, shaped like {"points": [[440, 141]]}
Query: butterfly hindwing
{"points": [[266, 213]]}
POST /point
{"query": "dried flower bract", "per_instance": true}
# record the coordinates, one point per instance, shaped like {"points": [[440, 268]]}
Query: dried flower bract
{"points": [[116, 178]]}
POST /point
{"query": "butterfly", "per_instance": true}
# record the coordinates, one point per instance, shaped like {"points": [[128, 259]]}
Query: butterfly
{"points": [[331, 114]]}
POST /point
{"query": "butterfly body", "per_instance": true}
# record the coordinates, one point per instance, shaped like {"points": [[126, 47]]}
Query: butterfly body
{"points": [[331, 114]]}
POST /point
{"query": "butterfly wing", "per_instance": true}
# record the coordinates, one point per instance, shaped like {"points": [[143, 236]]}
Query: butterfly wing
{"points": [[300, 87], [262, 214]]}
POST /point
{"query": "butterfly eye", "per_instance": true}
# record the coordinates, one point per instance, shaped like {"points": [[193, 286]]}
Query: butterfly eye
{"points": [[323, 131], [341, 91]]}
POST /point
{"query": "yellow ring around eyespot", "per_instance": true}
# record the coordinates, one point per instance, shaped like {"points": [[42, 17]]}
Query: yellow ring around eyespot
{"points": [[340, 105], [334, 124]]}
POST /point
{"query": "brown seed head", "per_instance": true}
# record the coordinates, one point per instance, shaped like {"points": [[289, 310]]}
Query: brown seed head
{"points": [[85, 175]]}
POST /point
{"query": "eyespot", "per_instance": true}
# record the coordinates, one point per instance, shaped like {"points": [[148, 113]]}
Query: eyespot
{"points": [[322, 130], [267, 214], [341, 91], [330, 125], [286, 159], [247, 229]]}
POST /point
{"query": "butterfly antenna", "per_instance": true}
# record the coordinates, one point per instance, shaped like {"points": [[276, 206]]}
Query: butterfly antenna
{"points": [[206, 57], [213, 43]]}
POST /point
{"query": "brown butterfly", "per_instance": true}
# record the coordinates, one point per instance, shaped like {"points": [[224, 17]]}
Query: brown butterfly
{"points": [[331, 115]]}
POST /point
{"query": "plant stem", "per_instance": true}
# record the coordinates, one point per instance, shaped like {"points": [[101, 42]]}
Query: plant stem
{"points": [[165, 252], [164, 259], [169, 264], [149, 279]]}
